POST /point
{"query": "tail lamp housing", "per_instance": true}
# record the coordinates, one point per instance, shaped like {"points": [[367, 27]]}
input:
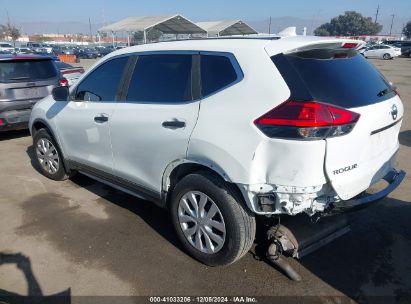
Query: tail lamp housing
{"points": [[63, 82], [306, 120]]}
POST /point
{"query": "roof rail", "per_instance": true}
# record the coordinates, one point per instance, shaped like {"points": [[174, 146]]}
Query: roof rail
{"points": [[220, 38]]}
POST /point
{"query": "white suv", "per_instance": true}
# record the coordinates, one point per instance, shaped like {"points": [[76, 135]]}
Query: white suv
{"points": [[221, 130]]}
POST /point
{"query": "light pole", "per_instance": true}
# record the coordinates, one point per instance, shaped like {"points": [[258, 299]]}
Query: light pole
{"points": [[392, 22]]}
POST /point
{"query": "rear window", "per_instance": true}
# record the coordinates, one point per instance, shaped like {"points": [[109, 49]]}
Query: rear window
{"points": [[217, 72], [336, 77], [27, 70]]}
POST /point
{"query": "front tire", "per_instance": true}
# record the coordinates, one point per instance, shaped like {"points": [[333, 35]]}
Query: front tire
{"points": [[210, 219], [48, 156]]}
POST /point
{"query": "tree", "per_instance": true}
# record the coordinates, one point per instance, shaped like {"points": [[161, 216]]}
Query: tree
{"points": [[407, 30], [321, 32], [13, 32], [9, 30], [349, 24], [3, 31]]}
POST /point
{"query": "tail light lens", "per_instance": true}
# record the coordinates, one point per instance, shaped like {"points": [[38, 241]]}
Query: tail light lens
{"points": [[306, 120], [349, 45], [2, 122], [63, 82]]}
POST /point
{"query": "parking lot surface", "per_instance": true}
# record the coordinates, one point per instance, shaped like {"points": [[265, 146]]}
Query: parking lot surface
{"points": [[83, 238]]}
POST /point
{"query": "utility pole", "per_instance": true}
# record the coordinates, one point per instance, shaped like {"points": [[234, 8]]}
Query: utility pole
{"points": [[269, 27], [89, 24], [392, 22], [376, 14]]}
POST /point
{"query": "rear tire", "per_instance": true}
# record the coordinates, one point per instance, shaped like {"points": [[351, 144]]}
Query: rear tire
{"points": [[386, 56], [227, 235], [48, 157]]}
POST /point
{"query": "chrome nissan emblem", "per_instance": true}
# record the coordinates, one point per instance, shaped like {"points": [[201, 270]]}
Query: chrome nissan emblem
{"points": [[394, 112]]}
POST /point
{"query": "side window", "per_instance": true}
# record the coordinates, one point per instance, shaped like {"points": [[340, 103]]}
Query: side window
{"points": [[216, 73], [103, 83], [164, 78]]}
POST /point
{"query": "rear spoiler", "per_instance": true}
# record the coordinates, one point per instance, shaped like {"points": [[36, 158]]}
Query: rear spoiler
{"points": [[303, 43], [344, 44]]}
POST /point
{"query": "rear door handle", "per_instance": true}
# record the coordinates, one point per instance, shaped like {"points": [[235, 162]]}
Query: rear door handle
{"points": [[101, 118], [173, 124]]}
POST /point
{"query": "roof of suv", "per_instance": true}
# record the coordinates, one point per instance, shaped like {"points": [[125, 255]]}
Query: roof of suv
{"points": [[272, 45], [5, 57]]}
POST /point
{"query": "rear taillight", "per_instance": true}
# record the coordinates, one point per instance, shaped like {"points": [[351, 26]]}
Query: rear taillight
{"points": [[63, 82], [306, 120], [349, 45], [2, 122]]}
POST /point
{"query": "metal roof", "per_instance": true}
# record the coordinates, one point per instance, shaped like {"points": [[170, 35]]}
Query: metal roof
{"points": [[227, 28], [175, 24]]}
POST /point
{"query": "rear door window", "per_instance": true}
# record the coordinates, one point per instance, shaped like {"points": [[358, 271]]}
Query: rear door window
{"points": [[162, 78], [334, 77], [27, 70], [103, 83], [217, 72]]}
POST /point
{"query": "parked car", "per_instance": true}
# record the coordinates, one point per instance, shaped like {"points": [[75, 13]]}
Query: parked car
{"points": [[22, 50], [221, 131], [6, 48], [405, 46], [71, 73], [48, 48], [36, 47], [64, 50], [407, 53], [87, 53], [103, 51], [24, 80], [382, 51]]}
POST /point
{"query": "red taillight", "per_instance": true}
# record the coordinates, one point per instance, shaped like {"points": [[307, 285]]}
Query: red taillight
{"points": [[306, 119], [63, 82], [349, 45], [2, 122]]}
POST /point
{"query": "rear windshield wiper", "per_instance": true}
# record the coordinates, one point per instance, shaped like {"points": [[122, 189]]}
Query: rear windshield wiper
{"points": [[19, 78], [385, 92]]}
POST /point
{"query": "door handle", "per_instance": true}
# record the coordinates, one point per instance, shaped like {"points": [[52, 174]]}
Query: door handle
{"points": [[101, 118], [173, 124]]}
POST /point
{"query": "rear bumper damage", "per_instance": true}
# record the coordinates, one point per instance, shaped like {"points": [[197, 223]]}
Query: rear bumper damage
{"points": [[393, 178], [268, 199]]}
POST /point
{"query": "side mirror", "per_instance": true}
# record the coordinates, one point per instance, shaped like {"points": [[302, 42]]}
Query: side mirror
{"points": [[60, 93]]}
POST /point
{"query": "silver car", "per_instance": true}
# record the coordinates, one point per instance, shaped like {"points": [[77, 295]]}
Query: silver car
{"points": [[24, 80]]}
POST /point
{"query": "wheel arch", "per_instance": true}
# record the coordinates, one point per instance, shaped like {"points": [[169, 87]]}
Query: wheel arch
{"points": [[39, 124], [178, 169]]}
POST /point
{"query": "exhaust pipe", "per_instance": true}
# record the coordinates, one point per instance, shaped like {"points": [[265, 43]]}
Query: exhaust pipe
{"points": [[275, 257]]}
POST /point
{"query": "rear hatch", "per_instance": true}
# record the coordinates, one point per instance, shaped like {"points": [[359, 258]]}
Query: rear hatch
{"points": [[341, 78], [23, 81]]}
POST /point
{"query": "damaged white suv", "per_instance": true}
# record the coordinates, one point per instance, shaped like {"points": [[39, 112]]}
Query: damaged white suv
{"points": [[221, 130]]}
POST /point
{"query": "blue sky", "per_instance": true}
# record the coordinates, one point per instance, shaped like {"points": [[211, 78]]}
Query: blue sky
{"points": [[57, 11], [58, 16]]}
